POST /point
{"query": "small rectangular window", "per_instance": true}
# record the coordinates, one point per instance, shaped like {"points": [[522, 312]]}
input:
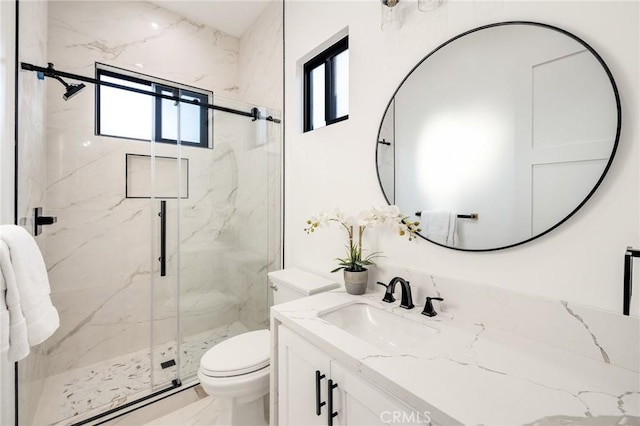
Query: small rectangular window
{"points": [[131, 115], [193, 119], [121, 113], [326, 87]]}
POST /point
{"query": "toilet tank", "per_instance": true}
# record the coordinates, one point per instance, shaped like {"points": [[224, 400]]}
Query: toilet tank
{"points": [[293, 283]]}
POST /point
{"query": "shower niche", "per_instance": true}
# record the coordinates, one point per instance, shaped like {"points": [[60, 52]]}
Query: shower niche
{"points": [[161, 248]]}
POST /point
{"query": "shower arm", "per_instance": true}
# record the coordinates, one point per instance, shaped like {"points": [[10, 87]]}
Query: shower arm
{"points": [[52, 73], [66, 86]]}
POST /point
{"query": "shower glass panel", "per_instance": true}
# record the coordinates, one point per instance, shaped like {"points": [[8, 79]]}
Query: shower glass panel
{"points": [[227, 224], [167, 178], [164, 237], [101, 254], [100, 258]]}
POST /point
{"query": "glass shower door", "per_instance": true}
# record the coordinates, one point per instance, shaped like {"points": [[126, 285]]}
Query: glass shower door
{"points": [[179, 126], [229, 231], [101, 254]]}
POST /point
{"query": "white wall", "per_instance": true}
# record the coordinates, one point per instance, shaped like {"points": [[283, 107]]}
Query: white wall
{"points": [[581, 261]]}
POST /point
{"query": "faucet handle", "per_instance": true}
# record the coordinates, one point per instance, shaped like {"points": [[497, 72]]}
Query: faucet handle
{"points": [[428, 307], [388, 294]]}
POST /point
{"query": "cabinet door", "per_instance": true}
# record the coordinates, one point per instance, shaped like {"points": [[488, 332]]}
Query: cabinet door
{"points": [[298, 362], [360, 403]]}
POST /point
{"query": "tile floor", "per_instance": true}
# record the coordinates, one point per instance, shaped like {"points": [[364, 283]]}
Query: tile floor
{"points": [[190, 407], [81, 393], [204, 412]]}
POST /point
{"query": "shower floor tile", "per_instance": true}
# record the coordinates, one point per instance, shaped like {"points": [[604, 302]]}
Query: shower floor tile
{"points": [[87, 391]]}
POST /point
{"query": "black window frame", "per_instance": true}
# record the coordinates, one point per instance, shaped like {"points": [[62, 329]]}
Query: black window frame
{"points": [[326, 57], [204, 116], [157, 85]]}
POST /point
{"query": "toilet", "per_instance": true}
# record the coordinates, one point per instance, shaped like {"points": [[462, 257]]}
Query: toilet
{"points": [[236, 371]]}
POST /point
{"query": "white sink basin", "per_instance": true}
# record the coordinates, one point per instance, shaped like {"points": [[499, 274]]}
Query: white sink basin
{"points": [[380, 328]]}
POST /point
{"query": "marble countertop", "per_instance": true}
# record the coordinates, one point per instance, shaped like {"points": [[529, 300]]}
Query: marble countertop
{"points": [[466, 373]]}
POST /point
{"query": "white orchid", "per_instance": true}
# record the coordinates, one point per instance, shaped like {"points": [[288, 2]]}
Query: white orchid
{"points": [[339, 215], [391, 213], [385, 215]]}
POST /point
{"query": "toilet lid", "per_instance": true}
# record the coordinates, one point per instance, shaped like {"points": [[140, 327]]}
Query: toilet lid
{"points": [[241, 354]]}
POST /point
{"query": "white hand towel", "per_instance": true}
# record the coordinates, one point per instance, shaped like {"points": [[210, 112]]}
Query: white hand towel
{"points": [[4, 312], [4, 315], [440, 226], [14, 326], [27, 285], [452, 238]]}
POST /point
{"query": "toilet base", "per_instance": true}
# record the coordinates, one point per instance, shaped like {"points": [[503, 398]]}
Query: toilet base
{"points": [[244, 414], [240, 398]]}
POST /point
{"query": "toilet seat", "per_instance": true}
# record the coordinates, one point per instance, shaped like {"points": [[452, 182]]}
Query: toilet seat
{"points": [[238, 355]]}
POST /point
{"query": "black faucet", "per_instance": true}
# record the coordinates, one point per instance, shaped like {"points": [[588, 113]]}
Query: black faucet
{"points": [[406, 301], [428, 307]]}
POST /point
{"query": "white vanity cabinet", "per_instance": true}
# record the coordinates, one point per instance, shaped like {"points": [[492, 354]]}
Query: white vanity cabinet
{"points": [[304, 376], [298, 362]]}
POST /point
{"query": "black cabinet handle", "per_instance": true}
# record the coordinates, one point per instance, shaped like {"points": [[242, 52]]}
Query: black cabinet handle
{"points": [[330, 413], [319, 404], [163, 238]]}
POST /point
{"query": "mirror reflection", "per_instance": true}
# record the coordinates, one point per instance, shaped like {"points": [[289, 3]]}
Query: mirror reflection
{"points": [[499, 135]]}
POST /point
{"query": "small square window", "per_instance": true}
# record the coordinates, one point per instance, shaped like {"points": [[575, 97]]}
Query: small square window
{"points": [[326, 87]]}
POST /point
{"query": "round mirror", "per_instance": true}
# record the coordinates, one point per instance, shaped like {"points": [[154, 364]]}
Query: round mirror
{"points": [[499, 135]]}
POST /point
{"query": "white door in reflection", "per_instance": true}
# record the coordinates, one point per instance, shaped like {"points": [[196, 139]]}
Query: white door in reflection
{"points": [[570, 139]]}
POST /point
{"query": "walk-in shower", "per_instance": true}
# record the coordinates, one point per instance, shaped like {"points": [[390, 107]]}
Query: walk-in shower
{"points": [[163, 176]]}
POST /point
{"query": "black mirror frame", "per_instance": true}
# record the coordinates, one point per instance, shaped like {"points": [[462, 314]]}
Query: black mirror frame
{"points": [[613, 151]]}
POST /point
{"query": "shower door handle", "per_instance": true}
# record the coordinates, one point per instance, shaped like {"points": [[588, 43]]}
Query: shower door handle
{"points": [[163, 238], [39, 220]]}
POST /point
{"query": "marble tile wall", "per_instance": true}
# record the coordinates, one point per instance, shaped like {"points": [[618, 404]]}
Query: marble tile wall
{"points": [[32, 167], [102, 253], [251, 252], [260, 81], [595, 333], [260, 60]]}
